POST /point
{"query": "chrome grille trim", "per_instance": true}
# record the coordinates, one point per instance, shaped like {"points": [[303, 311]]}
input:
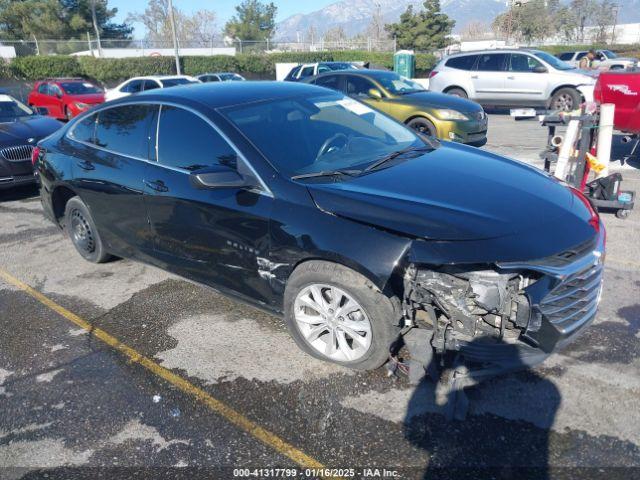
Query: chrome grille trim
{"points": [[17, 153]]}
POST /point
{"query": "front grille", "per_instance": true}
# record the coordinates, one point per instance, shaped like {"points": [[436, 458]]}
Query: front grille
{"points": [[18, 153], [570, 255], [575, 299]]}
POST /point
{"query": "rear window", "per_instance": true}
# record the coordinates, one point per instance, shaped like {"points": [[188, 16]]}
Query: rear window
{"points": [[125, 129], [565, 56], [84, 130], [172, 82], [465, 62], [492, 62]]}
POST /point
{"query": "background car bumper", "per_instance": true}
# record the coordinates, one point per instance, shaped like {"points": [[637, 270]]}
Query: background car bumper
{"points": [[472, 132]]}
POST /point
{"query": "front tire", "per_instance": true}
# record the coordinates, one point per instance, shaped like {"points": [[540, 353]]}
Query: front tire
{"points": [[423, 125], [457, 92], [565, 99], [83, 233], [337, 315]]}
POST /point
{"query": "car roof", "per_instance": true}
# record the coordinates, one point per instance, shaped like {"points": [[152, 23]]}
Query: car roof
{"points": [[224, 94], [371, 73], [493, 50], [159, 77]]}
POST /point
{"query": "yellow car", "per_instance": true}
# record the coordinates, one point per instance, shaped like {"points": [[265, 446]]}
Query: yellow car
{"points": [[444, 116]]}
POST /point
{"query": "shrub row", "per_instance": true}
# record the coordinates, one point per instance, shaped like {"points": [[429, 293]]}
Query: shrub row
{"points": [[252, 65]]}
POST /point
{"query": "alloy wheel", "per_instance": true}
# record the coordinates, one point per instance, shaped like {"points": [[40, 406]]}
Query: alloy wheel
{"points": [[563, 102], [332, 322]]}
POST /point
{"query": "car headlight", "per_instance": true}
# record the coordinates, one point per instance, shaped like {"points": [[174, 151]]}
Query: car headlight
{"points": [[446, 114], [81, 106]]}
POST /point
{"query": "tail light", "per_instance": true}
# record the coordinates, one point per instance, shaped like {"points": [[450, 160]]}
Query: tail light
{"points": [[433, 73], [35, 154]]}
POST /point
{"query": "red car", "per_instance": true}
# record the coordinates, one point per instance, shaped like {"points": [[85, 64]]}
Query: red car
{"points": [[65, 98], [623, 90]]}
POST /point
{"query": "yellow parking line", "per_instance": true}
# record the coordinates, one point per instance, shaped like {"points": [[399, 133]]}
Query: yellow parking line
{"points": [[231, 415]]}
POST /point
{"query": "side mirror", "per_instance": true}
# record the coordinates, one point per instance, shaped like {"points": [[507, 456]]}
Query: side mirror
{"points": [[41, 110], [540, 69], [375, 94], [218, 176]]}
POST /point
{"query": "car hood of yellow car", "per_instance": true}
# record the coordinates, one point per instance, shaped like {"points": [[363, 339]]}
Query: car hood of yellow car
{"points": [[428, 99]]}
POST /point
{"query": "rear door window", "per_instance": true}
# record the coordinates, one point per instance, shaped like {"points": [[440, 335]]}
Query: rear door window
{"points": [[566, 56], [329, 81], [465, 62], [492, 62], [85, 129], [43, 88], [307, 71], [150, 85], [133, 86], [187, 142], [125, 129]]}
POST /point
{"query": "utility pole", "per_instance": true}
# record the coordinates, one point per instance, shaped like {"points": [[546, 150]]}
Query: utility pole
{"points": [[94, 19], [175, 38]]}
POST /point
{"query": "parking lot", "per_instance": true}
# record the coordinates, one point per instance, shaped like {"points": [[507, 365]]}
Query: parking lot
{"points": [[124, 365]]}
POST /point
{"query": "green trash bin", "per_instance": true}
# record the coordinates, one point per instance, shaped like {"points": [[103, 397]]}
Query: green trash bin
{"points": [[404, 63]]}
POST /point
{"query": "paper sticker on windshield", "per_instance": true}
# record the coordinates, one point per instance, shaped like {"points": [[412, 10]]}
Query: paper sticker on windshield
{"points": [[354, 106], [88, 85]]}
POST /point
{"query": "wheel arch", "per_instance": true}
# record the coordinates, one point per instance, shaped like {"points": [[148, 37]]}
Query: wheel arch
{"points": [[558, 88], [451, 87], [60, 195]]}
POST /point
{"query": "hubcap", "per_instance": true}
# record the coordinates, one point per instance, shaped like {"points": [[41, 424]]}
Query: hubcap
{"points": [[332, 322], [81, 232]]}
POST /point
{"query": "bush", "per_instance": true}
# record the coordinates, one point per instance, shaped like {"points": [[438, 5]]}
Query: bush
{"points": [[38, 67], [110, 70], [118, 69]]}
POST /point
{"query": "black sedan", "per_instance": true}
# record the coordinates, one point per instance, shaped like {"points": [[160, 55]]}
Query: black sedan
{"points": [[308, 203], [20, 129]]}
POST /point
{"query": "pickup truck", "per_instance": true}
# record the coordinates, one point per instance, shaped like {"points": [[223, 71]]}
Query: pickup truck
{"points": [[623, 90]]}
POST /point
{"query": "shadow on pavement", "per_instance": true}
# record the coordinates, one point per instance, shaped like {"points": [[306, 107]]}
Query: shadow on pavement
{"points": [[490, 442], [19, 193]]}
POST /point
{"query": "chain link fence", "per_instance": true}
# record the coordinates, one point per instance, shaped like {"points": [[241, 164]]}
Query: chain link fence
{"points": [[212, 46]]}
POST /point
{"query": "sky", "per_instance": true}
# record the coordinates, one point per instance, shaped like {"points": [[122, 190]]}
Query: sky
{"points": [[225, 9]]}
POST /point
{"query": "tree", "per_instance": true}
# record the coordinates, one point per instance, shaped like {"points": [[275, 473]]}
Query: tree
{"points": [[584, 11], [335, 35], [196, 29], [59, 19], [426, 30], [475, 31], [253, 20], [375, 30], [526, 22], [604, 17]]}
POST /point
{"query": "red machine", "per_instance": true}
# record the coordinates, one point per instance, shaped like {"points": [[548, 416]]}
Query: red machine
{"points": [[623, 90]]}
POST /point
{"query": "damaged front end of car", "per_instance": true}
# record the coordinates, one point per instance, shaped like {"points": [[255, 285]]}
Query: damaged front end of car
{"points": [[506, 314]]}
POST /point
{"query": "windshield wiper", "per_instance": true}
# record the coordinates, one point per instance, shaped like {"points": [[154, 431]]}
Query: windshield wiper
{"points": [[326, 173], [391, 156]]}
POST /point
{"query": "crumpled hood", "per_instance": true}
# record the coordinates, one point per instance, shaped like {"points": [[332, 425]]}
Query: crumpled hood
{"points": [[89, 98], [454, 193], [36, 127], [439, 100]]}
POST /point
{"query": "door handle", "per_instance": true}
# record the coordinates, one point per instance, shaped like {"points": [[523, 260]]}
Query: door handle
{"points": [[511, 78], [158, 186], [86, 165], [474, 76]]}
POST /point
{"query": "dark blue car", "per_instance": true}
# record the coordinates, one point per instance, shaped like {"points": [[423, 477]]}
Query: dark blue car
{"points": [[310, 204]]}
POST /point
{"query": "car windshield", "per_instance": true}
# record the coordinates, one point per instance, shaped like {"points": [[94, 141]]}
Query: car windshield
{"points": [[555, 62], [320, 132], [80, 88], [609, 54], [398, 85], [11, 109], [172, 82]]}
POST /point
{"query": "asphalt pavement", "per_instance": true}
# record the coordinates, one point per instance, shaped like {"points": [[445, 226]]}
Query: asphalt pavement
{"points": [[121, 370]]}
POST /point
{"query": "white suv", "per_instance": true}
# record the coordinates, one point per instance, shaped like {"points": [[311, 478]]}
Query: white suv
{"points": [[512, 78]]}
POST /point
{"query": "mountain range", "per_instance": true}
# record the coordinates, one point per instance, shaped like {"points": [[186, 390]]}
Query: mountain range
{"points": [[355, 15]]}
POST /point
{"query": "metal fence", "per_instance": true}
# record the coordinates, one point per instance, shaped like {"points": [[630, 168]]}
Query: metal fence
{"points": [[90, 46]]}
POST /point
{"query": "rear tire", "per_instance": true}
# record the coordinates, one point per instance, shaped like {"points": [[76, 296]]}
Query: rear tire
{"points": [[565, 99], [423, 125], [348, 306], [83, 233], [457, 92]]}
